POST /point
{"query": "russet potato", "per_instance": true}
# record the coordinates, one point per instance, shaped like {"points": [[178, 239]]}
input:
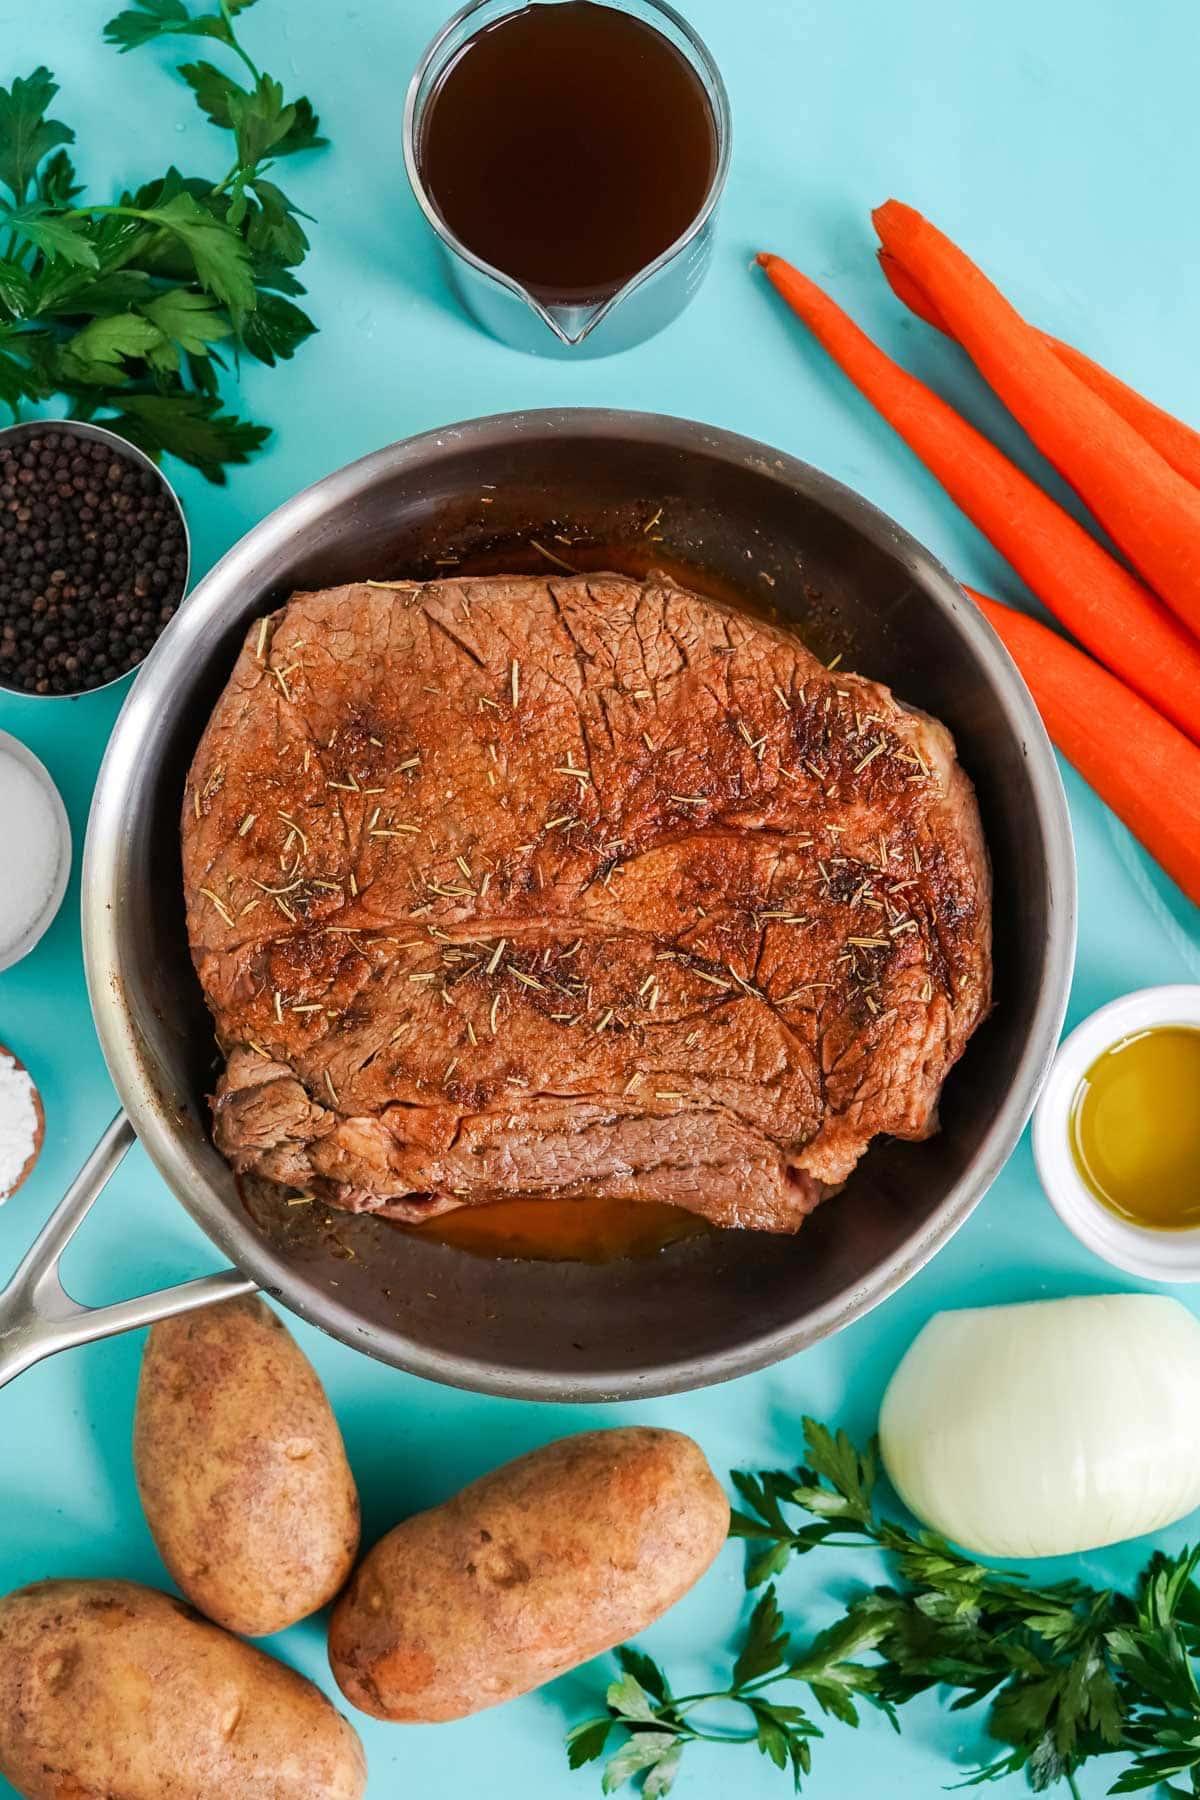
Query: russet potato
{"points": [[108, 1688], [527, 1573], [241, 1468]]}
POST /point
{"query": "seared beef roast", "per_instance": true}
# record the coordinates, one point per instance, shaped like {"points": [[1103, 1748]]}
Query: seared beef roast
{"points": [[511, 886]]}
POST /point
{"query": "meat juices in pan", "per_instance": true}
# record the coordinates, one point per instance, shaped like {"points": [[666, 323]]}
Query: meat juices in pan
{"points": [[552, 887]]}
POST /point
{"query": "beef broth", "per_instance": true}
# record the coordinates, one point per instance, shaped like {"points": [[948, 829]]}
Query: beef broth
{"points": [[590, 1230], [569, 145]]}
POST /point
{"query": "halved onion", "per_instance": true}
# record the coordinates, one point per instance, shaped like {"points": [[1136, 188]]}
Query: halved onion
{"points": [[1050, 1427]]}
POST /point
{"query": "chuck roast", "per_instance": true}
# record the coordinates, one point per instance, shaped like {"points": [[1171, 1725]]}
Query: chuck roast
{"points": [[576, 886]]}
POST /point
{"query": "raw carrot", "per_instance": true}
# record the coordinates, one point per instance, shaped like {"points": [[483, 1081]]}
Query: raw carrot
{"points": [[1148, 509], [1148, 772], [1098, 599], [1176, 442], [909, 292]]}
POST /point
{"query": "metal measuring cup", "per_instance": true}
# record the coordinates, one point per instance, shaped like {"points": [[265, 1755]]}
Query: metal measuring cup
{"points": [[504, 307]]}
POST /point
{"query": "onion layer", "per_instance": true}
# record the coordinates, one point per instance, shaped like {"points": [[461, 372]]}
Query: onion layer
{"points": [[1048, 1428]]}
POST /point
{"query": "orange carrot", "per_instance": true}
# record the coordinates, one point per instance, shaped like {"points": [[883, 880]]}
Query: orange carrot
{"points": [[1176, 442], [1148, 509], [1098, 599], [1148, 772], [910, 293]]}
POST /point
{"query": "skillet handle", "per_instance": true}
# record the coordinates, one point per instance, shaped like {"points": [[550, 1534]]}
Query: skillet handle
{"points": [[37, 1315]]}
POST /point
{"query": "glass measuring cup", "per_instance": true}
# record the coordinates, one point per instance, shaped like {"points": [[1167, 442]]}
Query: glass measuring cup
{"points": [[502, 304]]}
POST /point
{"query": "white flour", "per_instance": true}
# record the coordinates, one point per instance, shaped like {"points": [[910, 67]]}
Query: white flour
{"points": [[18, 1123], [31, 850]]}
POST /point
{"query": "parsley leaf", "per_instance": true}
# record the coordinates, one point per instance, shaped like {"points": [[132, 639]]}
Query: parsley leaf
{"points": [[56, 183], [16, 289], [765, 1648], [221, 260], [150, 19], [275, 329], [839, 1481], [98, 352], [638, 1753], [214, 91], [831, 1676], [262, 121], [26, 134], [259, 119], [765, 1526], [661, 1778], [586, 1742], [273, 232], [1155, 1652], [188, 322], [18, 379], [189, 426], [303, 133], [645, 1672], [629, 1700], [39, 224]]}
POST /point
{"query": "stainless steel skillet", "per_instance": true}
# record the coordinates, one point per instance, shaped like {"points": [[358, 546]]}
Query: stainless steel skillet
{"points": [[742, 519]]}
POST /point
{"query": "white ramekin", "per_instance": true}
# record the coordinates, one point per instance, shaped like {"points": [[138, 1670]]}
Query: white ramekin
{"points": [[12, 953], [1170, 1256]]}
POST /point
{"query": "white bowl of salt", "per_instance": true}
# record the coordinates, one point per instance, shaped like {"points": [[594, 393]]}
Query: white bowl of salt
{"points": [[35, 843]]}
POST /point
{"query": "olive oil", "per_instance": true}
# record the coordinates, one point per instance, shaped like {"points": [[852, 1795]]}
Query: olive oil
{"points": [[569, 145], [1135, 1128]]}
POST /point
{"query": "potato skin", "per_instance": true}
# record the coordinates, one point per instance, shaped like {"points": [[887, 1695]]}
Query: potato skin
{"points": [[108, 1688], [241, 1468], [526, 1573]]}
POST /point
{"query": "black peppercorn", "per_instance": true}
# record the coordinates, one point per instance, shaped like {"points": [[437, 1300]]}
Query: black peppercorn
{"points": [[92, 563]]}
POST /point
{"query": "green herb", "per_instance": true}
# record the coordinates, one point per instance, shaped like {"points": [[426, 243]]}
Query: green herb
{"points": [[659, 1726], [130, 310], [1067, 1672]]}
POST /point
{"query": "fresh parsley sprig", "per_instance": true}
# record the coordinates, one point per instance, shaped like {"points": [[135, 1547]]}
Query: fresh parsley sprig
{"points": [[659, 1725], [1156, 1652], [837, 1490], [1067, 1672], [265, 126], [128, 308], [1039, 1657]]}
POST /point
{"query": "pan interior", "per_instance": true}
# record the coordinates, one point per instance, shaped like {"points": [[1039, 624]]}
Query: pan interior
{"points": [[737, 522]]}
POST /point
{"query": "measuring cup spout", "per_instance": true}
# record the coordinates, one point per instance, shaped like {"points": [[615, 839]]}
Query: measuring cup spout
{"points": [[571, 324]]}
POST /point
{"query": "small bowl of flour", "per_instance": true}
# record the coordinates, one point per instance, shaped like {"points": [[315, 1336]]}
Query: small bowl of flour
{"points": [[35, 845], [22, 1123]]}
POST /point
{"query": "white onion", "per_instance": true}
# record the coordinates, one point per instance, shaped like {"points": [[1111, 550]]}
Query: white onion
{"points": [[1048, 1428]]}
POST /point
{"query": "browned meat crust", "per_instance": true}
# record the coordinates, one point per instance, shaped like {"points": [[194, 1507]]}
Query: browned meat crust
{"points": [[550, 887]]}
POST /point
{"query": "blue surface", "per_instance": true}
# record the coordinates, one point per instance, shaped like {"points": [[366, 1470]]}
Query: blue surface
{"points": [[1060, 144]]}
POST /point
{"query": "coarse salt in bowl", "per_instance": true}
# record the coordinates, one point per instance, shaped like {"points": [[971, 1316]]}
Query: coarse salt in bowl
{"points": [[22, 1124], [36, 836]]}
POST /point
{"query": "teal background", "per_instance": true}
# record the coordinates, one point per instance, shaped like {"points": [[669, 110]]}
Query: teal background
{"points": [[1060, 143]]}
